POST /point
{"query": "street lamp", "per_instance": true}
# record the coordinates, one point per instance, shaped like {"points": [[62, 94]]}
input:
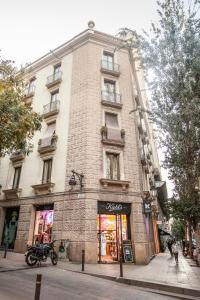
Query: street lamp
{"points": [[72, 180]]}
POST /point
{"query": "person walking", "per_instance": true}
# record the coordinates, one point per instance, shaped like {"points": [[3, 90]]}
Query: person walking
{"points": [[169, 245], [175, 251]]}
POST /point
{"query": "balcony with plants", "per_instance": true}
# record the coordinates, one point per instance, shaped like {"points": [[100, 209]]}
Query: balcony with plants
{"points": [[48, 144], [112, 136]]}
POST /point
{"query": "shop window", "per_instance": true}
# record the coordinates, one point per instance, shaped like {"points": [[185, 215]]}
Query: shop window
{"points": [[112, 166], [47, 168], [43, 225], [16, 178]]}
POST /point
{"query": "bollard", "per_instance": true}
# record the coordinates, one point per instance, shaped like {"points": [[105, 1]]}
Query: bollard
{"points": [[121, 265], [5, 250], [38, 286], [83, 260]]}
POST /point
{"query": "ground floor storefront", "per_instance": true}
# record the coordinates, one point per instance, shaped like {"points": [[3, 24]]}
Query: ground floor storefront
{"points": [[105, 225]]}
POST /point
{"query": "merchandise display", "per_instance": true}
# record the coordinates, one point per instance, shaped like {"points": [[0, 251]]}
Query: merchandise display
{"points": [[43, 226]]}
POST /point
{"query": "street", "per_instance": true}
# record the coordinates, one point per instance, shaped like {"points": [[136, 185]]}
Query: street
{"points": [[63, 285]]}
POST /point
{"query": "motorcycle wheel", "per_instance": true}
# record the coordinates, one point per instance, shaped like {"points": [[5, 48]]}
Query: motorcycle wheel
{"points": [[54, 258], [29, 260]]}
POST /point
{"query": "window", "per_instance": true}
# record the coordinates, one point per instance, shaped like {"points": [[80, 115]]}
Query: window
{"points": [[47, 167], [112, 166], [16, 177], [109, 86], [55, 96], [30, 86], [108, 61], [111, 120], [57, 72], [50, 130]]}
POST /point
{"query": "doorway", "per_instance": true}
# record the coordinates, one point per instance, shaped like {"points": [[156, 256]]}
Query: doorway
{"points": [[112, 231]]}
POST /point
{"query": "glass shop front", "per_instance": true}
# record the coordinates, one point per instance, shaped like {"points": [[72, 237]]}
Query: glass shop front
{"points": [[43, 224], [113, 226]]}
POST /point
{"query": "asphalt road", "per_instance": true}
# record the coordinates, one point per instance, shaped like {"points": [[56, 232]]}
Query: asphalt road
{"points": [[60, 284]]}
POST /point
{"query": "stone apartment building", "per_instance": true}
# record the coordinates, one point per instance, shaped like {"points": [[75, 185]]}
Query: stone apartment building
{"points": [[90, 94]]}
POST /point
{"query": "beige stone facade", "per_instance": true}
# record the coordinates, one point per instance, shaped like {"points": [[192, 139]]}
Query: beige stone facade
{"points": [[80, 147]]}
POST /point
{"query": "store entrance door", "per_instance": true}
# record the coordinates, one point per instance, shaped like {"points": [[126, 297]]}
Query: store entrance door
{"points": [[113, 229]]}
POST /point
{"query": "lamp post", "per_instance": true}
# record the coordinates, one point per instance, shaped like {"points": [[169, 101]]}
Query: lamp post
{"points": [[72, 180]]}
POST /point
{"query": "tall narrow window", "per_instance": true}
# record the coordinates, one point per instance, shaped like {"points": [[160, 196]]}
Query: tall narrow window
{"points": [[108, 61], [57, 72], [112, 166], [113, 131], [16, 178], [55, 96], [110, 93], [47, 167]]}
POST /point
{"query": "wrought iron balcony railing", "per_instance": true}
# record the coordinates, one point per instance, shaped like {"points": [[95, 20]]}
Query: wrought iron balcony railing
{"points": [[110, 66], [111, 97], [52, 107], [29, 91], [54, 78]]}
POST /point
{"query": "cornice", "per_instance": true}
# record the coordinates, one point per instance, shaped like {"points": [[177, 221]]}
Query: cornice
{"points": [[68, 47]]}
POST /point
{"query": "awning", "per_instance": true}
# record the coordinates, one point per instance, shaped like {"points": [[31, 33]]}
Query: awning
{"points": [[163, 232]]}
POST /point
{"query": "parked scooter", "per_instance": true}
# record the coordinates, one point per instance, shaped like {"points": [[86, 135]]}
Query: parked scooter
{"points": [[39, 253]]}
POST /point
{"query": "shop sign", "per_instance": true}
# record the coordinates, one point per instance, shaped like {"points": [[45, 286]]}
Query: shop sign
{"points": [[159, 222], [113, 208], [147, 207]]}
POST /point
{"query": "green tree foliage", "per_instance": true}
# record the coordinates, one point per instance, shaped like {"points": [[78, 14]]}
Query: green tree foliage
{"points": [[17, 121], [178, 229], [170, 53]]}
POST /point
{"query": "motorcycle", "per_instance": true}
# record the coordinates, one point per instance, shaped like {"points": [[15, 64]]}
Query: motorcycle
{"points": [[40, 253]]}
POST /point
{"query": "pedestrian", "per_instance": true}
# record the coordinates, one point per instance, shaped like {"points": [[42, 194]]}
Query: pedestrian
{"points": [[169, 245], [175, 251]]}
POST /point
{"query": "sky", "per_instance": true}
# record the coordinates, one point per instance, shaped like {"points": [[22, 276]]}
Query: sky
{"points": [[31, 28]]}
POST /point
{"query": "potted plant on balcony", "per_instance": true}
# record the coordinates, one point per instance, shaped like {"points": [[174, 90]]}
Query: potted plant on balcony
{"points": [[123, 135], [104, 131]]}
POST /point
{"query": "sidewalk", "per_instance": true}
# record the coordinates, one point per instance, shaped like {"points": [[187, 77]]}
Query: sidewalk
{"points": [[161, 270]]}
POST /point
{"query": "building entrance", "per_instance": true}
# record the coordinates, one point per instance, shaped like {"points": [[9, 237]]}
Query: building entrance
{"points": [[10, 227], [113, 228]]}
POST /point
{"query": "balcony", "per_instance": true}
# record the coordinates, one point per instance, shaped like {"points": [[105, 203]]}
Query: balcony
{"points": [[113, 136], [110, 68], [12, 194], [110, 182], [28, 94], [54, 79], [43, 188], [51, 109], [17, 156], [111, 99], [48, 144]]}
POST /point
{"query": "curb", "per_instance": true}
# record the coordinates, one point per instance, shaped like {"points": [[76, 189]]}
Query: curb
{"points": [[154, 287]]}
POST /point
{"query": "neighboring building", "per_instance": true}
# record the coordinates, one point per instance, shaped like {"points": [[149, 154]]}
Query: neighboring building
{"points": [[86, 90]]}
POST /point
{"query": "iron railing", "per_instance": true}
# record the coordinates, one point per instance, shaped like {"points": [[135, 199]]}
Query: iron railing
{"points": [[54, 77], [30, 90], [110, 66], [52, 106], [111, 97]]}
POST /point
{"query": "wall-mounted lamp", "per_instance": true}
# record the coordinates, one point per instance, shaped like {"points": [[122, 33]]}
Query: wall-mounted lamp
{"points": [[72, 180]]}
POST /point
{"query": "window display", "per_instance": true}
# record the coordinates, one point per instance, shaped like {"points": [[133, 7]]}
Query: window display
{"points": [[112, 231], [43, 226]]}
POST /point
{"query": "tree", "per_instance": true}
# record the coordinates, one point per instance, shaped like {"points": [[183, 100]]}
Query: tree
{"points": [[178, 229], [17, 121], [170, 55]]}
